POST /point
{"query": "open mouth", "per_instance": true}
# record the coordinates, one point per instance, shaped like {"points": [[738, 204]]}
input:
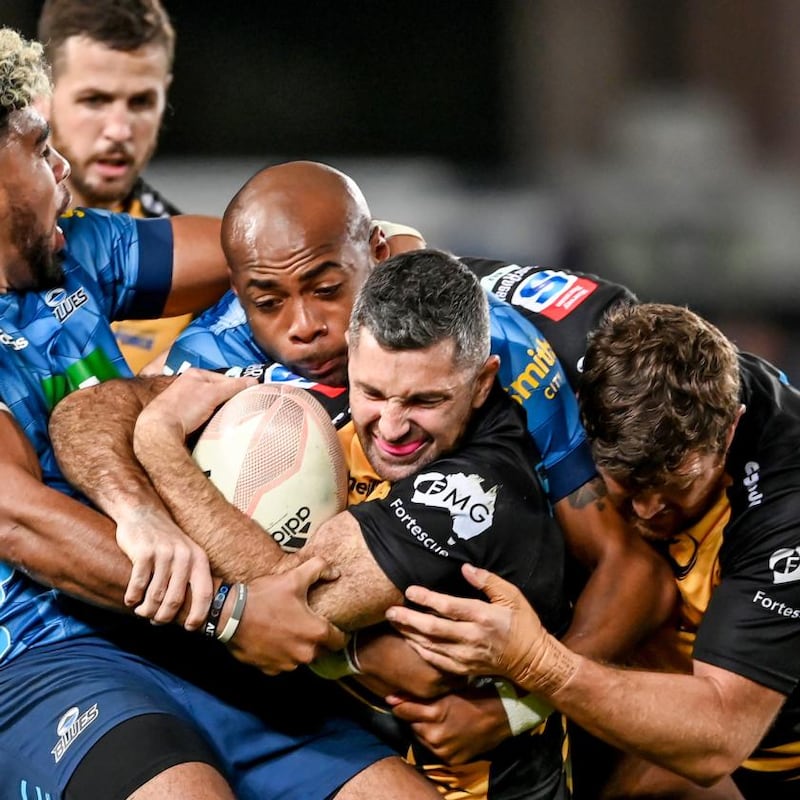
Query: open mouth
{"points": [[112, 166]]}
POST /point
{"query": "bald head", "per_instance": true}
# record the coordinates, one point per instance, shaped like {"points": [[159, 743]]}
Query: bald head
{"points": [[298, 243], [290, 208]]}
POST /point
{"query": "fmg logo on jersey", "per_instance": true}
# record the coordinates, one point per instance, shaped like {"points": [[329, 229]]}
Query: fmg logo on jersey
{"points": [[785, 565], [463, 496], [552, 293]]}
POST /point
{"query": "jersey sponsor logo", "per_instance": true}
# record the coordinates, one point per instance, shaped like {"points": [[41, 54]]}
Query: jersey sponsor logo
{"points": [[65, 305], [71, 725], [785, 565], [15, 343], [750, 481], [778, 607], [539, 372], [362, 489], [462, 496], [415, 529], [552, 293], [504, 279]]}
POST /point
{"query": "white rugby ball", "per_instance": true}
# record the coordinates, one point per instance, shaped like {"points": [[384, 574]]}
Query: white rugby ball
{"points": [[273, 452]]}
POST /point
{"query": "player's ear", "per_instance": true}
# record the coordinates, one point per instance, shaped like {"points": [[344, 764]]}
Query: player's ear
{"points": [[484, 380], [378, 244], [732, 429]]}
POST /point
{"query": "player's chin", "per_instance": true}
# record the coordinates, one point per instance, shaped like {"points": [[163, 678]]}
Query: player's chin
{"points": [[395, 468], [655, 531], [331, 373]]}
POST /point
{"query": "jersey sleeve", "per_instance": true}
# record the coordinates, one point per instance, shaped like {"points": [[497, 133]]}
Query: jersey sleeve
{"points": [[532, 375], [130, 259], [195, 347], [219, 337], [564, 305], [752, 625], [431, 523]]}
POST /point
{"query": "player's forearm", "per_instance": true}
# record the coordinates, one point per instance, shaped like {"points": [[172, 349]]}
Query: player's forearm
{"points": [[383, 655], [237, 547], [682, 722], [91, 431], [60, 542], [625, 598], [630, 590]]}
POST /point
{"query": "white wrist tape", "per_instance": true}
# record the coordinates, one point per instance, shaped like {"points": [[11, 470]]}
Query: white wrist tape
{"points": [[524, 712]]}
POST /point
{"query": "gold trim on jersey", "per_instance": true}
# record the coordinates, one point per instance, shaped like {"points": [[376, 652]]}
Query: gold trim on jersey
{"points": [[781, 758], [363, 482], [694, 556]]}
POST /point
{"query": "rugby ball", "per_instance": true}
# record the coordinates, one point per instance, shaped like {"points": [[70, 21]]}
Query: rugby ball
{"points": [[273, 452]]}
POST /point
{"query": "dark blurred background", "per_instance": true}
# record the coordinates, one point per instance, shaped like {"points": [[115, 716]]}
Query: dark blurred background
{"points": [[654, 143]]}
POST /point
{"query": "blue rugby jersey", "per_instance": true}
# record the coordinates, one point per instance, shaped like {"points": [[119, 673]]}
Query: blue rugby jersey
{"points": [[55, 341]]}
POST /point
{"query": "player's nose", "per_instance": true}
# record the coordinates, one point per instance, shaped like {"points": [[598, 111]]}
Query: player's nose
{"points": [[393, 422], [647, 506]]}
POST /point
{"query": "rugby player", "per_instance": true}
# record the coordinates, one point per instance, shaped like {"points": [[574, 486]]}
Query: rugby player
{"points": [[112, 67], [697, 444], [432, 420]]}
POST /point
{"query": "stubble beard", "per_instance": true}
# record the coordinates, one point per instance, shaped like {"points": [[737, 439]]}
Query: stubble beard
{"points": [[45, 268]]}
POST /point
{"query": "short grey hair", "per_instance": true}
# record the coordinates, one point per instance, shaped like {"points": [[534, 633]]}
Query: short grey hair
{"points": [[417, 299]]}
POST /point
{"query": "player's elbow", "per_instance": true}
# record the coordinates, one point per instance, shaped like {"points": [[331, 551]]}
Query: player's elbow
{"points": [[710, 771], [710, 767]]}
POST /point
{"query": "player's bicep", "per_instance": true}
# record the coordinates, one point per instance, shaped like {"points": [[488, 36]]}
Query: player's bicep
{"points": [[362, 593], [199, 271], [593, 527]]}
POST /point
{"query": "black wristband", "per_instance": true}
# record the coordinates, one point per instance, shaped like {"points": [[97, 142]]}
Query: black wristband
{"points": [[212, 620]]}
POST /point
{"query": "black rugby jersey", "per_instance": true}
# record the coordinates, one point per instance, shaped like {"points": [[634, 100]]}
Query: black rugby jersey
{"points": [[484, 505], [752, 624]]}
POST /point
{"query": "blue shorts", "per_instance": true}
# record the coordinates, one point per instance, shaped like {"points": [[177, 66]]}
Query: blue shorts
{"points": [[57, 701]]}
